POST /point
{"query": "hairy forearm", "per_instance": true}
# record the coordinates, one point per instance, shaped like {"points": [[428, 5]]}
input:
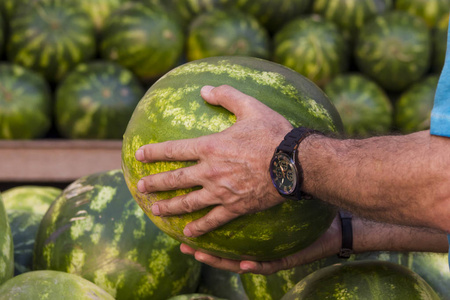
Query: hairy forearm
{"points": [[373, 236], [397, 179]]}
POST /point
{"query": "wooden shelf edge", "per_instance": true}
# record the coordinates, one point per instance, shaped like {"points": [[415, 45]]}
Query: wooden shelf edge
{"points": [[57, 160]]}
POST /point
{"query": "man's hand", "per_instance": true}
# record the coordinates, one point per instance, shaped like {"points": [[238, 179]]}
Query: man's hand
{"points": [[232, 165], [328, 244]]}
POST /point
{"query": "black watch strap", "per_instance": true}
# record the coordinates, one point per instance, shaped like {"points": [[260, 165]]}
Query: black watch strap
{"points": [[294, 138], [347, 234]]}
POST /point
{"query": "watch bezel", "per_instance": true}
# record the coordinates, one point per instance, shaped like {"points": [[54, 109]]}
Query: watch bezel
{"points": [[293, 163]]}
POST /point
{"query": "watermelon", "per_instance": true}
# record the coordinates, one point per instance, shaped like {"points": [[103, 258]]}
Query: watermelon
{"points": [[173, 109], [40, 285], [439, 39], [53, 41], [96, 100], [364, 107], [221, 283], [413, 107], [2, 34], [25, 103], [25, 207], [429, 10], [226, 32], [362, 280], [143, 38], [276, 285], [432, 267], [350, 15], [394, 49], [6, 247], [195, 297], [99, 10], [313, 47], [275, 14], [96, 230]]}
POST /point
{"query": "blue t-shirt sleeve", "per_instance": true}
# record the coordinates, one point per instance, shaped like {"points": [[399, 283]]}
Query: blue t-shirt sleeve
{"points": [[440, 115]]}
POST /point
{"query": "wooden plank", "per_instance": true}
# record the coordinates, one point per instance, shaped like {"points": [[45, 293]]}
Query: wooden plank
{"points": [[57, 160]]}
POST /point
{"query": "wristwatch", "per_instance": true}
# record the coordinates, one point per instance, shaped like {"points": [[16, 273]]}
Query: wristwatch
{"points": [[285, 169]]}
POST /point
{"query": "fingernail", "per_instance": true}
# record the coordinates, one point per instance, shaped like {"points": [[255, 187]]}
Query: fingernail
{"points": [[141, 186], [139, 155], [187, 232], [206, 90], [155, 210]]}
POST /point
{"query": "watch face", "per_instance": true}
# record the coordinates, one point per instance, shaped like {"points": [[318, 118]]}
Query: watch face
{"points": [[283, 173]]}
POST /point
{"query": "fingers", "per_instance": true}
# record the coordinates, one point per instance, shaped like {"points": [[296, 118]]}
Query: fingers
{"points": [[183, 204], [181, 178], [213, 261], [179, 150], [230, 98], [215, 218]]}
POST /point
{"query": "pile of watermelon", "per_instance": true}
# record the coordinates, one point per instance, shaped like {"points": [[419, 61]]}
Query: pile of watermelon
{"points": [[79, 69], [391, 45]]}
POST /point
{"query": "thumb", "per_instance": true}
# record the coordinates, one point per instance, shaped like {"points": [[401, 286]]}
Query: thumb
{"points": [[235, 101]]}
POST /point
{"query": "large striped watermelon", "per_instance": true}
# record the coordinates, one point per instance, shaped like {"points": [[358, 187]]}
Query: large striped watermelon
{"points": [[96, 100], [226, 32], [313, 47], [350, 15], [52, 41], [144, 38], [96, 230], [362, 280], [364, 107], [432, 267], [25, 103], [173, 109], [413, 107], [394, 49], [6, 247], [429, 10], [25, 207], [274, 14], [46, 285]]}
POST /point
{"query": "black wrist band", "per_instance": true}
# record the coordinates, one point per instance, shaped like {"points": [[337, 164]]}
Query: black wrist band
{"points": [[347, 234]]}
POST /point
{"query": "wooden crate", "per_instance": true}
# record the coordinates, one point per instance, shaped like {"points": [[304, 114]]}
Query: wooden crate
{"points": [[55, 160]]}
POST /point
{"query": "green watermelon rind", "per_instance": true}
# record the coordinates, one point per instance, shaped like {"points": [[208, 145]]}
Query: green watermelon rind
{"points": [[6, 247]]}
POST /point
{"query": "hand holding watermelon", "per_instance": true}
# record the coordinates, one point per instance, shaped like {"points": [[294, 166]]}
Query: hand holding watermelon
{"points": [[232, 169]]}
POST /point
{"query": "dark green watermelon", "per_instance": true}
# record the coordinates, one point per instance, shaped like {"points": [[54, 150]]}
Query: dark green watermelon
{"points": [[2, 34], [313, 47], [362, 280], [364, 107], [221, 283], [25, 207], [53, 41], [99, 10], [275, 14], [394, 49], [6, 247], [143, 38], [275, 286], [413, 107], [431, 11], [25, 103], [432, 267], [350, 15], [226, 32], [439, 38], [96, 100], [51, 285], [96, 230]]}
